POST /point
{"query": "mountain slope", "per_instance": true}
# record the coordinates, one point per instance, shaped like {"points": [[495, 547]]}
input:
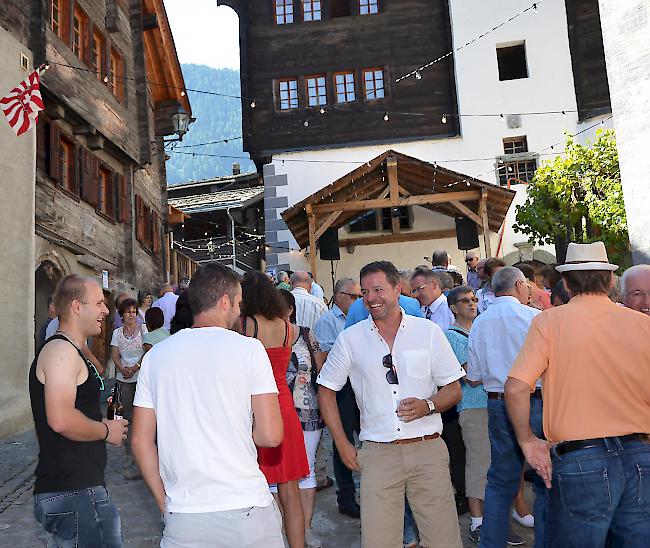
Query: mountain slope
{"points": [[217, 118]]}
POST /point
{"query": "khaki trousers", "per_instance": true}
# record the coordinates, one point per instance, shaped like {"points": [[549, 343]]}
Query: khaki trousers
{"points": [[418, 470]]}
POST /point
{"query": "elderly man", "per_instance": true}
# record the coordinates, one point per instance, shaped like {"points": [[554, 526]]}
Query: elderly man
{"points": [[635, 288], [327, 329], [440, 260], [427, 288], [402, 452], [473, 278], [595, 363], [308, 307], [283, 281], [494, 342], [167, 303]]}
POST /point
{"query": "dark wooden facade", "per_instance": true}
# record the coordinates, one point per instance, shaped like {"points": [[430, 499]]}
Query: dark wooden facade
{"points": [[101, 181], [588, 58], [404, 35]]}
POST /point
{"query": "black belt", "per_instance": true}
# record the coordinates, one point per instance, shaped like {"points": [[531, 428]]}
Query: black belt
{"points": [[568, 446], [500, 396]]}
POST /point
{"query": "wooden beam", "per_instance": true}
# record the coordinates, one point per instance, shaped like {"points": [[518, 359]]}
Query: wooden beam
{"points": [[420, 199], [312, 240], [485, 223], [327, 223], [393, 189], [399, 238], [403, 191], [468, 212]]}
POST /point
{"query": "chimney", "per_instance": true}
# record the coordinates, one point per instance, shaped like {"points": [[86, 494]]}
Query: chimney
{"points": [[236, 169]]}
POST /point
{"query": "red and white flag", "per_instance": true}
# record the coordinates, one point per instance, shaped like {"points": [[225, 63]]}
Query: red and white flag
{"points": [[22, 104]]}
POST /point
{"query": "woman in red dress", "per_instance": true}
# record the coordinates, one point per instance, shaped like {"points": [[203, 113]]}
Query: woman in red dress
{"points": [[263, 310]]}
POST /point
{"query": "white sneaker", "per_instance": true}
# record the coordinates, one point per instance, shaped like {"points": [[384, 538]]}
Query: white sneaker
{"points": [[311, 540], [527, 521]]}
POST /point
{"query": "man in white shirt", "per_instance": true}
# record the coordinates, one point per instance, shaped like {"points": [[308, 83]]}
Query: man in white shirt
{"points": [[427, 289], [309, 308], [495, 340], [167, 303], [396, 364], [196, 432]]}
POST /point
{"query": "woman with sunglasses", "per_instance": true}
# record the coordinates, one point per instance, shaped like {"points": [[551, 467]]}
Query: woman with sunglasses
{"points": [[126, 351]]}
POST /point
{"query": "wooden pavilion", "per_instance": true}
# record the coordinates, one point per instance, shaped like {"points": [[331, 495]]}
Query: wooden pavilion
{"points": [[394, 180]]}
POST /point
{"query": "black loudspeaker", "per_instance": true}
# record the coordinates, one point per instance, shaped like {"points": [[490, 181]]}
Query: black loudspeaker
{"points": [[466, 233], [329, 245]]}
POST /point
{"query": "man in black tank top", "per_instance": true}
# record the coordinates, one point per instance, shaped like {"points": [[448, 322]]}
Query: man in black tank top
{"points": [[70, 497]]}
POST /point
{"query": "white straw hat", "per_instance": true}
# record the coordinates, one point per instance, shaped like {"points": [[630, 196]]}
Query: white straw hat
{"points": [[586, 257]]}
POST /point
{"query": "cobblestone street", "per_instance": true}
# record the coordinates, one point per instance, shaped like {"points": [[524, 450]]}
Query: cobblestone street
{"points": [[140, 518]]}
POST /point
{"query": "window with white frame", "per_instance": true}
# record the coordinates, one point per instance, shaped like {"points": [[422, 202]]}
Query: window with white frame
{"points": [[311, 10], [316, 90], [373, 84], [288, 94], [283, 12], [345, 87], [367, 7]]}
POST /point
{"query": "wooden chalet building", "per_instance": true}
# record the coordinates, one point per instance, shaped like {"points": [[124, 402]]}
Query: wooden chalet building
{"points": [[324, 91], [111, 90]]}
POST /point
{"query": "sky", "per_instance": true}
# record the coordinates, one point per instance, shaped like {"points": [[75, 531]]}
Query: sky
{"points": [[204, 33]]}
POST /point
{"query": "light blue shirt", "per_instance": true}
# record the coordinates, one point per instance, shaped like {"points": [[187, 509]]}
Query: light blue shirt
{"points": [[328, 327], [358, 312], [438, 312], [317, 290], [474, 397], [495, 340]]}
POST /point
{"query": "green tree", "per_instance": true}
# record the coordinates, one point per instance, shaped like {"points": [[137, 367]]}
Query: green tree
{"points": [[578, 198]]}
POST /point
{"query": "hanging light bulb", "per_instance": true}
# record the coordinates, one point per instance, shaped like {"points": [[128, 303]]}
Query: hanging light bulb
{"points": [[386, 117], [253, 103], [306, 123], [535, 8], [183, 93], [564, 114], [47, 66], [444, 119], [503, 118], [418, 75], [322, 110], [106, 79]]}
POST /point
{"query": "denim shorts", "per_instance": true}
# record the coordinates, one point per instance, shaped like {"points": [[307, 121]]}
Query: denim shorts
{"points": [[83, 518]]}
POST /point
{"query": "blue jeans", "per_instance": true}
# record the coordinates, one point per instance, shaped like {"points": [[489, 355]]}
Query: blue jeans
{"points": [[85, 518], [410, 528], [601, 496], [504, 476]]}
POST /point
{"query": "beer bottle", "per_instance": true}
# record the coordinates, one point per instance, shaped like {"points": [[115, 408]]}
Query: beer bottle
{"points": [[110, 409], [119, 410]]}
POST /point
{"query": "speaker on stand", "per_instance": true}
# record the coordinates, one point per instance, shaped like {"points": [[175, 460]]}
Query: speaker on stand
{"points": [[328, 244], [466, 233]]}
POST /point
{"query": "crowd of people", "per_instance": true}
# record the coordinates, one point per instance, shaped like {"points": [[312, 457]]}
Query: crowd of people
{"points": [[447, 394]]}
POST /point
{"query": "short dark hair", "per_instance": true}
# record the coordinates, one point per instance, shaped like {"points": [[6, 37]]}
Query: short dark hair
{"points": [[386, 267], [260, 296], [491, 265], [559, 292], [457, 292], [70, 288], [209, 284], [528, 271], [439, 257], [290, 301], [596, 282], [154, 318], [125, 304], [549, 272], [183, 317]]}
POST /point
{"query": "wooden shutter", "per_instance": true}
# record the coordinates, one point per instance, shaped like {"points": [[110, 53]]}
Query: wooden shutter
{"points": [[86, 176], [88, 40], [106, 68], [69, 30], [55, 153], [93, 191], [124, 204], [78, 169], [155, 227], [109, 194], [42, 145], [139, 220]]}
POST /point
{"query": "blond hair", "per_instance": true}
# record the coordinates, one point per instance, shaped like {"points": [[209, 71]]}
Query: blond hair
{"points": [[70, 288]]}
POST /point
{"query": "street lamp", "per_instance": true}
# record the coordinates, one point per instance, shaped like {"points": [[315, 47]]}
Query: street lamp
{"points": [[181, 121]]}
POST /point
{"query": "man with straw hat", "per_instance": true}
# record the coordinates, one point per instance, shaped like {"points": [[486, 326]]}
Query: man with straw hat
{"points": [[594, 358]]}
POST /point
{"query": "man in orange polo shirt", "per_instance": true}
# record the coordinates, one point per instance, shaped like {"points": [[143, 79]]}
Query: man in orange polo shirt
{"points": [[594, 357]]}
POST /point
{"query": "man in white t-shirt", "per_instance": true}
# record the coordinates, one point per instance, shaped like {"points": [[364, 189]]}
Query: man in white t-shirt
{"points": [[205, 398]]}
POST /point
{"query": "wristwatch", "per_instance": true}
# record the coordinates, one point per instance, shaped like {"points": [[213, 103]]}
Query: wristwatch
{"points": [[432, 407]]}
